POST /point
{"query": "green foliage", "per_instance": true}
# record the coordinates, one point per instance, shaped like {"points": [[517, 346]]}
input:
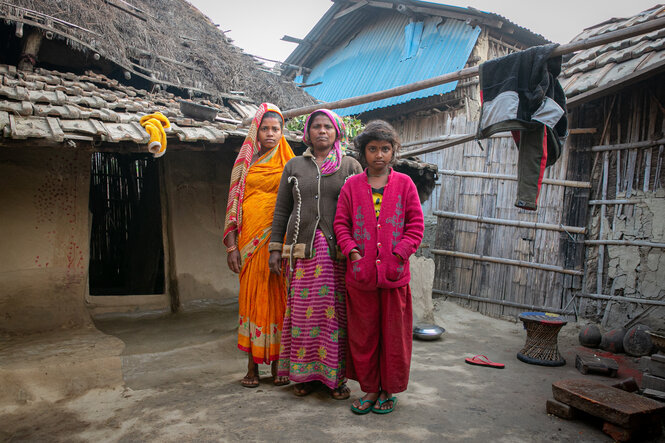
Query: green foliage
{"points": [[353, 125], [296, 123]]}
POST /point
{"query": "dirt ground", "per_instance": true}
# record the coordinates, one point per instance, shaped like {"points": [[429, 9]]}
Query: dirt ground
{"points": [[181, 383]]}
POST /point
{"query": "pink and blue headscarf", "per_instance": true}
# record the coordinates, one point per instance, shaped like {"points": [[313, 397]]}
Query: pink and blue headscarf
{"points": [[334, 160]]}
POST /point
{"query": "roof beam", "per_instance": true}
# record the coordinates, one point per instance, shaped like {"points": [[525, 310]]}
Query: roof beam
{"points": [[350, 9], [288, 38]]}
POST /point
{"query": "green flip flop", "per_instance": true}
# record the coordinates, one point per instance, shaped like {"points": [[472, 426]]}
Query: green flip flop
{"points": [[363, 411], [381, 402]]}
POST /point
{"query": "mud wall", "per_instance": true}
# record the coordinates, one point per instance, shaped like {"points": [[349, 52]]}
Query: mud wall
{"points": [[44, 236], [637, 272], [197, 186]]}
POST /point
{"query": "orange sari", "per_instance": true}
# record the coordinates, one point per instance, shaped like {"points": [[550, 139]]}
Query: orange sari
{"points": [[262, 298]]}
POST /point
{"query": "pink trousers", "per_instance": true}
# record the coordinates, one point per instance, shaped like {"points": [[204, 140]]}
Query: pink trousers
{"points": [[379, 327]]}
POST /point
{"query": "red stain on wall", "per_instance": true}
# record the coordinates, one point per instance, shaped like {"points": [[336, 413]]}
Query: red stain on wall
{"points": [[55, 202]]}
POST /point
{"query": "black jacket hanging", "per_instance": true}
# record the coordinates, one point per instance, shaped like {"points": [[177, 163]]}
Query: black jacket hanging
{"points": [[520, 93]]}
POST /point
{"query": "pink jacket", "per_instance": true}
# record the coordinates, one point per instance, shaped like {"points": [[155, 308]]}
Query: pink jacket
{"points": [[386, 244]]}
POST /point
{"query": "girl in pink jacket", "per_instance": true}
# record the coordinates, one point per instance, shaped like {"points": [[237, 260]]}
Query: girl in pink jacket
{"points": [[378, 225]]}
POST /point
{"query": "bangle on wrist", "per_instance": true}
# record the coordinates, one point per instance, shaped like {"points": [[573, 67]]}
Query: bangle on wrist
{"points": [[231, 248]]}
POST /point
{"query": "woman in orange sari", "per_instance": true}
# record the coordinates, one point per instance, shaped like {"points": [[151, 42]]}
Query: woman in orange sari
{"points": [[254, 183]]}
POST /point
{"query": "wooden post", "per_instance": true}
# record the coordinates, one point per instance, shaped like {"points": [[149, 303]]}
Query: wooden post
{"points": [[601, 231], [30, 51]]}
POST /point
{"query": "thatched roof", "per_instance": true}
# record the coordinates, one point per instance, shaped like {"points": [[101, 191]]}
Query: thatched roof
{"points": [[163, 43]]}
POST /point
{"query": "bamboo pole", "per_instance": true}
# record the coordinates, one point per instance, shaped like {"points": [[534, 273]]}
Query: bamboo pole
{"points": [[633, 145], [601, 230], [549, 181], [444, 138], [511, 304], [575, 131], [507, 261], [621, 201], [644, 301], [515, 223], [625, 243], [642, 28], [453, 141]]}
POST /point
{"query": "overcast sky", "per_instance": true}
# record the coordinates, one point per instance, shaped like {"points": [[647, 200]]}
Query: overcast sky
{"points": [[257, 26]]}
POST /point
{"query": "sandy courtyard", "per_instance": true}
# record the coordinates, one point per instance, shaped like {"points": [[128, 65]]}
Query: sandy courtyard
{"points": [[180, 383]]}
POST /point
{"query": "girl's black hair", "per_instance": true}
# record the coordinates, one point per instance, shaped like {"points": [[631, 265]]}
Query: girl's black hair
{"points": [[376, 130], [273, 114]]}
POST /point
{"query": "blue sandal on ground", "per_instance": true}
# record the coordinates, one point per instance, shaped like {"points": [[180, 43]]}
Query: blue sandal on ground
{"points": [[362, 402], [376, 408]]}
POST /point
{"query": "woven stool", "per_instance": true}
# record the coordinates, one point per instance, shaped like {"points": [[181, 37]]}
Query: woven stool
{"points": [[541, 346]]}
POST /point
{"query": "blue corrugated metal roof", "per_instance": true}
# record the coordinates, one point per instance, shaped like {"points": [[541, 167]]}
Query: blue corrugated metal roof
{"points": [[378, 57]]}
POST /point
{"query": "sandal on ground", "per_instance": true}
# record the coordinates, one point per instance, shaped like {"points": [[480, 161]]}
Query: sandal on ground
{"points": [[379, 403], [302, 389], [360, 410], [250, 381], [481, 360], [281, 380], [342, 392]]}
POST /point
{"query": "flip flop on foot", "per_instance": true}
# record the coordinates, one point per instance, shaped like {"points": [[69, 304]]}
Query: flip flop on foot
{"points": [[481, 360], [361, 409], [250, 381], [342, 392], [302, 389], [379, 409]]}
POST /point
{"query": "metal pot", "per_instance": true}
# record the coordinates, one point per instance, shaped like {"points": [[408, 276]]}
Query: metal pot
{"points": [[197, 111], [427, 332]]}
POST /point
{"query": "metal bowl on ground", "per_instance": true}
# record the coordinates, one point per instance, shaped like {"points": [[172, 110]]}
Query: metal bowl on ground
{"points": [[427, 332], [197, 111], [658, 339]]}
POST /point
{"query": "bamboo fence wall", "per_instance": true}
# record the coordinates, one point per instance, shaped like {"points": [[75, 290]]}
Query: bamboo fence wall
{"points": [[490, 261]]}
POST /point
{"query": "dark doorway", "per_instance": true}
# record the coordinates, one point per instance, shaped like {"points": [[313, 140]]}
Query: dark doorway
{"points": [[126, 247]]}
